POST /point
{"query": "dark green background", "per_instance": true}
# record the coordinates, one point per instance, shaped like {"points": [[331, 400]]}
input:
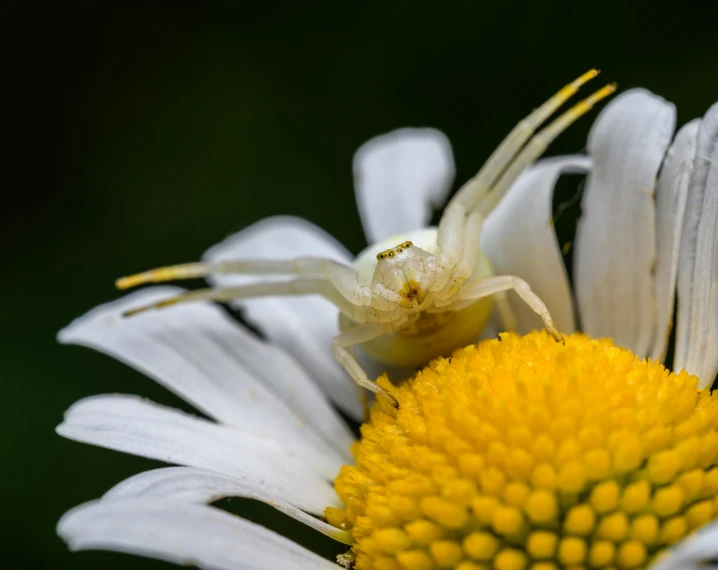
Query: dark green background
{"points": [[139, 136]]}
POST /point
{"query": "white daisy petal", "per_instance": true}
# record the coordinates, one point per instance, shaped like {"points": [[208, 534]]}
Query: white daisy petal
{"points": [[206, 358], [133, 425], [188, 484], [399, 177], [183, 533], [615, 239], [671, 192], [693, 552], [519, 239], [697, 332], [303, 326]]}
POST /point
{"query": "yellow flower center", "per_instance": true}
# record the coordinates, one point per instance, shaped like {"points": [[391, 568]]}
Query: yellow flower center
{"points": [[525, 453]]}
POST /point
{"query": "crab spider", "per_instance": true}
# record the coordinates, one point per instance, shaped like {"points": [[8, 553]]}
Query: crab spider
{"points": [[423, 297]]}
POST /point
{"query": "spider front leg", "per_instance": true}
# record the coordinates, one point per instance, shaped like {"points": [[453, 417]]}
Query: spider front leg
{"points": [[537, 146], [359, 335], [511, 157], [456, 228], [473, 291], [344, 279], [306, 286], [481, 193]]}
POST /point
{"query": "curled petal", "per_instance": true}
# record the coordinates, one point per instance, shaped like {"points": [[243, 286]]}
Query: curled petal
{"points": [[133, 425], [615, 240], [519, 239], [697, 322], [671, 195], [399, 177], [188, 484], [183, 533]]}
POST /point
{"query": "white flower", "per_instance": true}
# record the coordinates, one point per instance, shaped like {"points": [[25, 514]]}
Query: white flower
{"points": [[274, 435]]}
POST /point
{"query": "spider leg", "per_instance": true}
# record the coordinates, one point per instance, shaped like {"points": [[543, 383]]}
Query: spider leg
{"points": [[358, 335], [492, 285], [536, 147], [465, 259], [476, 187], [470, 246], [449, 239], [344, 278], [450, 233], [304, 286], [508, 161]]}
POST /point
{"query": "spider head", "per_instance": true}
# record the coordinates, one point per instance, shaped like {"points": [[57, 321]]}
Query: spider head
{"points": [[394, 252], [402, 269]]}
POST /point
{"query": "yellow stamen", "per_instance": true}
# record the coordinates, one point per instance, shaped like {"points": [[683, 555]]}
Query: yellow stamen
{"points": [[526, 454]]}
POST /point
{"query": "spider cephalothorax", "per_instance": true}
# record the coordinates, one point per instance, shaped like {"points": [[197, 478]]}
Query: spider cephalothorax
{"points": [[406, 272]]}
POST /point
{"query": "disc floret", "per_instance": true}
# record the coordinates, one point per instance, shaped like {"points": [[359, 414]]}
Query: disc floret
{"points": [[526, 453]]}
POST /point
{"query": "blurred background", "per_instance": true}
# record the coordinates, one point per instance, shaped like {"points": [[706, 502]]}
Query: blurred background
{"points": [[139, 136]]}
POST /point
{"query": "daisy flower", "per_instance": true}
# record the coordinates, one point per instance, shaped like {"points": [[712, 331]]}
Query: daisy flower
{"points": [[515, 454]]}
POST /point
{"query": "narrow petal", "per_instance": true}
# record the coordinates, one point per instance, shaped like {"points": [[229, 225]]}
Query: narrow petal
{"points": [[206, 358], [399, 177], [697, 332], [693, 553], [187, 484], [183, 533], [615, 239], [519, 239], [303, 326], [133, 425], [671, 193]]}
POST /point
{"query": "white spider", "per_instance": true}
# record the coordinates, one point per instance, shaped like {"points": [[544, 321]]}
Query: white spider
{"points": [[423, 297]]}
